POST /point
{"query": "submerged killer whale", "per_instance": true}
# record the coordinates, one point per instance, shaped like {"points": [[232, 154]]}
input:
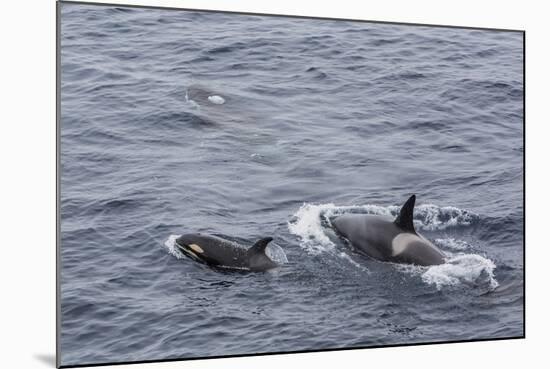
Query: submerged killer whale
{"points": [[217, 251], [204, 96], [386, 239]]}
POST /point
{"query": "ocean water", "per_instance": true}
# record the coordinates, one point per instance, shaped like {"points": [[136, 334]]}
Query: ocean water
{"points": [[250, 126]]}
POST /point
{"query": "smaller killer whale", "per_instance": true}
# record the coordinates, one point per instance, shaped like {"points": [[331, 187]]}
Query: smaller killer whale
{"points": [[220, 252], [385, 239]]}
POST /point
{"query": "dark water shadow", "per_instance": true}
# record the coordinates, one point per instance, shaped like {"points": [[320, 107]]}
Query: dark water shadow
{"points": [[48, 359]]}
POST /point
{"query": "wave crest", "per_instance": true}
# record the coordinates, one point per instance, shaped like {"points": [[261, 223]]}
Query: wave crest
{"points": [[470, 270]]}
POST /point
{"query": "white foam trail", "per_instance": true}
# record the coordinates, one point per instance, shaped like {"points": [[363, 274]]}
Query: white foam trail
{"points": [[432, 217], [459, 269], [468, 269], [307, 225]]}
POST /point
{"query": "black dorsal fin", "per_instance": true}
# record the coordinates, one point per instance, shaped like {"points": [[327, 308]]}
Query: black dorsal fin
{"points": [[405, 218], [260, 245]]}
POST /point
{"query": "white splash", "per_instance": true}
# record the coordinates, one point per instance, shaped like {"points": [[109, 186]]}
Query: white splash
{"points": [[462, 269], [276, 253], [306, 224], [170, 246], [432, 217]]}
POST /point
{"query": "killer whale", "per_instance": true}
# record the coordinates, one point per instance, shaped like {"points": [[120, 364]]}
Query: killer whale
{"points": [[204, 96], [386, 239], [221, 252]]}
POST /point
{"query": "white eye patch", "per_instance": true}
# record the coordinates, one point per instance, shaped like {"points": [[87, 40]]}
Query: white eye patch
{"points": [[196, 248], [215, 99]]}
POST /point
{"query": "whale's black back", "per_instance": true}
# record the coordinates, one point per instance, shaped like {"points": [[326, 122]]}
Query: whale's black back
{"points": [[215, 250]]}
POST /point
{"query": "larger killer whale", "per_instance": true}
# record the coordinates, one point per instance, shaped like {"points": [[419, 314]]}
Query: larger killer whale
{"points": [[221, 252], [385, 239]]}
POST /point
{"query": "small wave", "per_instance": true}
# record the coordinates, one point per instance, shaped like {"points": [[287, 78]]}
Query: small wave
{"points": [[411, 75], [317, 73], [176, 119], [222, 49], [432, 217], [388, 41], [349, 259], [451, 243], [461, 269]]}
